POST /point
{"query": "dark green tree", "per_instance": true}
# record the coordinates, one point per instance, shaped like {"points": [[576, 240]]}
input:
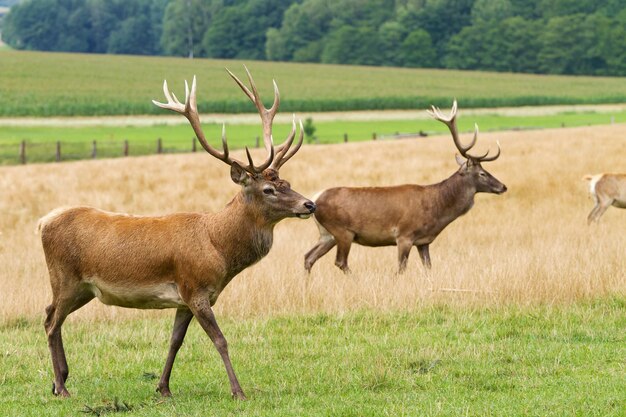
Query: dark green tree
{"points": [[31, 25], [491, 11], [349, 45], [301, 24], [614, 51], [184, 25], [134, 36], [239, 31], [417, 50], [390, 37], [574, 45], [440, 18]]}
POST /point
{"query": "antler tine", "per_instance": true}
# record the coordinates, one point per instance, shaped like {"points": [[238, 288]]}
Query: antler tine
{"points": [[473, 142], [293, 151], [491, 158], [283, 151], [267, 116]]}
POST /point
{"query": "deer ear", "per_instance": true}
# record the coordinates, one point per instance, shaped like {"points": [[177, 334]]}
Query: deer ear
{"points": [[238, 174], [460, 160]]}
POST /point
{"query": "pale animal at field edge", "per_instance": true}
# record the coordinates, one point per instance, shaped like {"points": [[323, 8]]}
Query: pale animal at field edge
{"points": [[606, 190], [181, 260], [404, 215]]}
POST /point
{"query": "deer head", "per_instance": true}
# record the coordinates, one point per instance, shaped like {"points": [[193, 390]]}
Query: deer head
{"points": [[261, 185], [470, 165]]}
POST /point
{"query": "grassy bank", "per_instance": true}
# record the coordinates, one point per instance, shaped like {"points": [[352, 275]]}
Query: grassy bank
{"points": [[436, 361], [48, 84], [77, 141]]}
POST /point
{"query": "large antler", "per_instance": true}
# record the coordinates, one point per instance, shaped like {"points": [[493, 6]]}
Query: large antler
{"points": [[267, 116], [450, 121], [190, 111]]}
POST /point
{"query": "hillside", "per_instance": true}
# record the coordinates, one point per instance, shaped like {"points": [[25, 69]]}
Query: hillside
{"points": [[49, 84]]}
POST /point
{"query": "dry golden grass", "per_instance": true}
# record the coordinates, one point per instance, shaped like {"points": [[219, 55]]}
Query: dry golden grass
{"points": [[528, 246]]}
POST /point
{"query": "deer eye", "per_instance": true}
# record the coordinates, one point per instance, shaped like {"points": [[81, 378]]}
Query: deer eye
{"points": [[269, 191]]}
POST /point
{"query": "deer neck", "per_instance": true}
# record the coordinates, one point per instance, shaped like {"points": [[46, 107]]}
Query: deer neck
{"points": [[242, 234], [456, 196]]}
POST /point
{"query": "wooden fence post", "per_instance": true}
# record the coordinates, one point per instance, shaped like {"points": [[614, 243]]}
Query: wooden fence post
{"points": [[94, 150], [374, 136], [23, 152], [125, 147], [159, 145], [257, 142], [345, 138], [58, 153], [193, 144]]}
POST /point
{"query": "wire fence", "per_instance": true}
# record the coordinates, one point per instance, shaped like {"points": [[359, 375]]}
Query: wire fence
{"points": [[27, 151]]}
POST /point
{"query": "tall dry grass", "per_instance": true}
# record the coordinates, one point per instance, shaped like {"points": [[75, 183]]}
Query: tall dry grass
{"points": [[530, 245]]}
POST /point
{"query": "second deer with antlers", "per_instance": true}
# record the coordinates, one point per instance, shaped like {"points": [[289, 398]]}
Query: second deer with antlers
{"points": [[405, 215], [182, 260]]}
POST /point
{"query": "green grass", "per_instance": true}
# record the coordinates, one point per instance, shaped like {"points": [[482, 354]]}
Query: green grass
{"points": [[46, 84], [539, 361], [77, 141]]}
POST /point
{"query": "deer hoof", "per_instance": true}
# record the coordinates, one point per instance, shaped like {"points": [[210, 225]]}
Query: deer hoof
{"points": [[60, 393], [165, 391], [239, 395]]}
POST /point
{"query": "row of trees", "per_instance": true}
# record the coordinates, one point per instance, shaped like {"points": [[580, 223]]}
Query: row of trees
{"points": [[537, 36]]}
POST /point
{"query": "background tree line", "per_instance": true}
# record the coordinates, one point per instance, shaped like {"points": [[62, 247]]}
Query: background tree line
{"points": [[535, 36]]}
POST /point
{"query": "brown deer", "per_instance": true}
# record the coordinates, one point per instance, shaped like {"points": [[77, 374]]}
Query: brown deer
{"points": [[606, 190], [404, 215], [181, 260]]}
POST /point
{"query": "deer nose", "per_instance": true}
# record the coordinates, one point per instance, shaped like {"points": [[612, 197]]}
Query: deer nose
{"points": [[310, 206]]}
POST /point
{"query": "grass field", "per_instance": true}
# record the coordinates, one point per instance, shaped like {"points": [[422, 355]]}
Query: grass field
{"points": [[437, 361], [77, 141], [522, 314], [46, 84]]}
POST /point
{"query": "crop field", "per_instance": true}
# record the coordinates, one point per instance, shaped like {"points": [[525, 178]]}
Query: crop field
{"points": [[522, 313], [47, 84]]}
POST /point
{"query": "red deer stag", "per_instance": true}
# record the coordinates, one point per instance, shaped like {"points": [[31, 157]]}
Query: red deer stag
{"points": [[404, 215], [181, 260], [607, 190]]}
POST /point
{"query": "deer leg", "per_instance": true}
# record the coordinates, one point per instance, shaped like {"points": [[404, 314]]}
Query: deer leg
{"points": [[57, 312], [181, 323], [320, 249], [598, 210], [204, 314], [424, 255], [404, 249], [344, 241], [592, 213]]}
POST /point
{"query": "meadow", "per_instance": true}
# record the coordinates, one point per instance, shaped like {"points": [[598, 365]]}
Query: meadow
{"points": [[438, 361], [48, 84], [522, 314]]}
